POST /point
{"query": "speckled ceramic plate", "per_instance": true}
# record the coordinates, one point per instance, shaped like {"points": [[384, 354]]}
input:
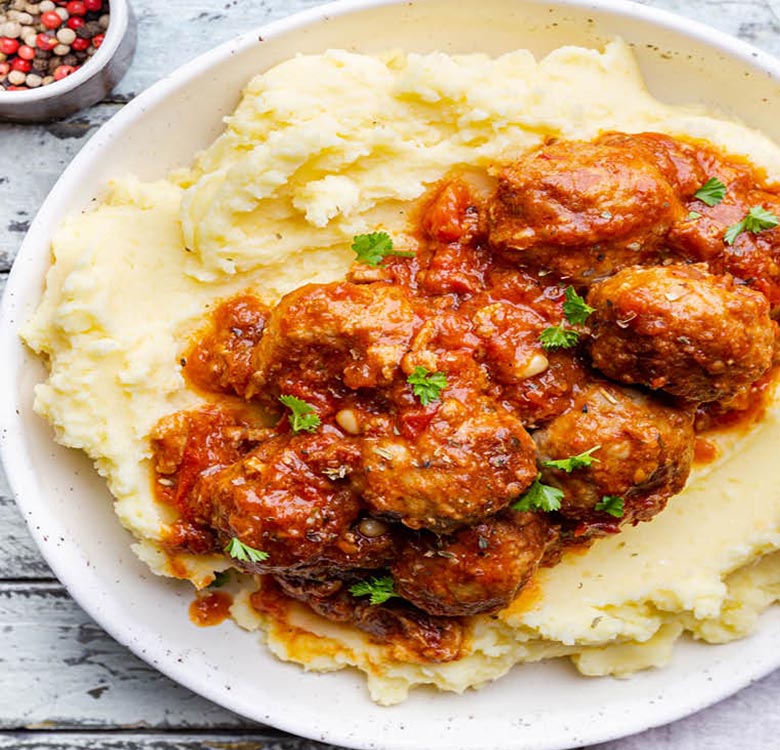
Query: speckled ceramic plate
{"points": [[535, 707]]}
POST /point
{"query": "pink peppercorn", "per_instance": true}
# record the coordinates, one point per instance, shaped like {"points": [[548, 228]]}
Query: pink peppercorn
{"points": [[8, 46], [97, 40], [76, 8], [5, 68], [23, 66], [93, 5], [51, 20], [63, 71], [75, 22], [46, 42], [26, 53], [79, 44]]}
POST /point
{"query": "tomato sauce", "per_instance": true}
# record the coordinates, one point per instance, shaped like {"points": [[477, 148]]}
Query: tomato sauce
{"points": [[210, 608]]}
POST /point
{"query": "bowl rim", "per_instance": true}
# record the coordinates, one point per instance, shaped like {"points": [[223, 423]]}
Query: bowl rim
{"points": [[117, 28], [12, 454]]}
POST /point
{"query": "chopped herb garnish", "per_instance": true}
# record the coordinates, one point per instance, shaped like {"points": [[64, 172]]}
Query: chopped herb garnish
{"points": [[575, 308], [379, 589], [303, 417], [693, 215], [240, 551], [612, 504], [426, 385], [581, 460], [373, 248], [558, 337], [221, 577], [757, 219], [711, 192], [539, 497]]}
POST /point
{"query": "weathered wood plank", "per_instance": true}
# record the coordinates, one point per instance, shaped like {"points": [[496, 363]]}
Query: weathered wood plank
{"points": [[59, 669], [19, 557], [121, 741]]}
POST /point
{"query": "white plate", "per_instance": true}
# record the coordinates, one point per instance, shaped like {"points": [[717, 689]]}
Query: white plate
{"points": [[69, 510]]}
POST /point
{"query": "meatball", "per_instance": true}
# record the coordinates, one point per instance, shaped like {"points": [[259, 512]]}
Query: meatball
{"points": [[582, 210], [642, 446], [685, 166], [221, 360], [681, 329], [280, 499], [754, 257], [321, 336], [480, 568], [468, 461]]}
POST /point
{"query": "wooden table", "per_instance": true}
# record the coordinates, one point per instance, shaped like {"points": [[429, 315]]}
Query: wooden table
{"points": [[64, 683]]}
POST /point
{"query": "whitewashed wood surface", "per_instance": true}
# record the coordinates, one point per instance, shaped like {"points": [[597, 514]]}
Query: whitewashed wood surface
{"points": [[64, 683]]}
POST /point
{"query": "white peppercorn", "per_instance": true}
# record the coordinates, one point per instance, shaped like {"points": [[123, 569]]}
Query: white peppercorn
{"points": [[66, 36], [16, 77]]}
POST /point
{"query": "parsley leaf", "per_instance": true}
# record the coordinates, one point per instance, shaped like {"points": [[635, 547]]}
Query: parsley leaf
{"points": [[303, 415], [379, 589], [426, 385], [558, 337], [372, 248], [571, 463], [693, 215], [539, 497], [575, 308], [221, 577], [240, 551], [757, 219], [612, 504], [711, 192]]}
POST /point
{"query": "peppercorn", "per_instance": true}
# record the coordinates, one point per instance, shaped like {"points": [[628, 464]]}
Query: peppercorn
{"points": [[47, 40]]}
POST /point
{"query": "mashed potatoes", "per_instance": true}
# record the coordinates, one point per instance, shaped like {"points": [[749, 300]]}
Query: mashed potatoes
{"points": [[325, 147]]}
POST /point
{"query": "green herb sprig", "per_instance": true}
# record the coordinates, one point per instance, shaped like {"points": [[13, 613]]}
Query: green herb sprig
{"points": [[380, 589], [539, 497], [757, 220], [580, 461], [240, 551], [373, 248], [612, 504], [426, 385], [711, 192], [576, 311], [303, 417]]}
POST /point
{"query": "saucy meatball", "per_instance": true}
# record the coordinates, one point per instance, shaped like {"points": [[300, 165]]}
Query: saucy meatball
{"points": [[468, 462], [681, 329], [327, 335], [642, 446], [477, 569], [221, 360], [582, 210], [280, 499]]}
